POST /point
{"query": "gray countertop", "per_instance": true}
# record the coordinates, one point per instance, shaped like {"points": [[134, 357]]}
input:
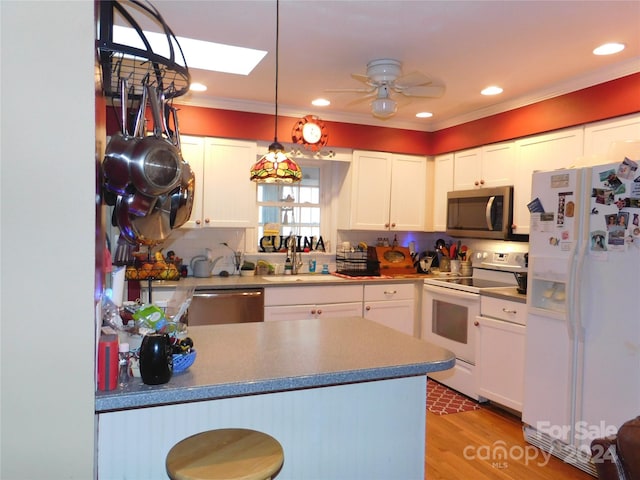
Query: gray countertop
{"points": [[506, 293], [237, 281], [255, 358]]}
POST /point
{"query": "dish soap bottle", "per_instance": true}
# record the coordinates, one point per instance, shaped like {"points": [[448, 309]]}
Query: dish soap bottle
{"points": [[288, 267]]}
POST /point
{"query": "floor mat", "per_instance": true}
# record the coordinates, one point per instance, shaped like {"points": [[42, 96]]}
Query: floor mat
{"points": [[442, 400]]}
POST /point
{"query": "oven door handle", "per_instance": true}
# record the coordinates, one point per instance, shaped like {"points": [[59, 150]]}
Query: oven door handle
{"points": [[450, 292]]}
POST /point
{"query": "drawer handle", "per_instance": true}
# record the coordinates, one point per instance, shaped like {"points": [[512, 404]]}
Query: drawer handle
{"points": [[313, 311], [367, 308], [507, 310], [390, 292], [319, 311], [476, 323]]}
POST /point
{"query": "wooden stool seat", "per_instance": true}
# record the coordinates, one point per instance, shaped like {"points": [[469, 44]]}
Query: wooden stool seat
{"points": [[229, 454]]}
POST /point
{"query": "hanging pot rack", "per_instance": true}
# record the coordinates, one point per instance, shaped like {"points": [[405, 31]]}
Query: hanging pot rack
{"points": [[139, 66]]}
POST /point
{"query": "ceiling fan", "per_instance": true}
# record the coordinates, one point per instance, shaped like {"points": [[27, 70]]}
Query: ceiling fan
{"points": [[384, 80]]}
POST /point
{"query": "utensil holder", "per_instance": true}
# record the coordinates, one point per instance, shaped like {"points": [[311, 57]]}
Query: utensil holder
{"points": [[445, 264], [466, 269]]}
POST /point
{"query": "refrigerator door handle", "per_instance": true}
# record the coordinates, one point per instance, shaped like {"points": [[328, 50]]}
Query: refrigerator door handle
{"points": [[570, 295], [487, 212]]}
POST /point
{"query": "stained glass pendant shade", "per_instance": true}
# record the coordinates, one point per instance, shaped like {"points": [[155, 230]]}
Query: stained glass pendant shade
{"points": [[276, 167]]}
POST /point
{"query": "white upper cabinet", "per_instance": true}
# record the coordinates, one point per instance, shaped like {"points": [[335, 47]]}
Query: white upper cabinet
{"points": [[551, 151], [599, 137], [442, 183], [225, 197], [387, 192], [488, 166]]}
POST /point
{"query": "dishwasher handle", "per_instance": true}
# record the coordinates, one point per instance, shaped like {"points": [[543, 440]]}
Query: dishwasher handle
{"points": [[228, 293]]}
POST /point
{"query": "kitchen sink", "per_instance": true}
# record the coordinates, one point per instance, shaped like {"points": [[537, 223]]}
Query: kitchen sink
{"points": [[299, 278]]}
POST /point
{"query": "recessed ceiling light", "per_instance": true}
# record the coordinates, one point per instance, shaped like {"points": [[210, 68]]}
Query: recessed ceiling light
{"points": [[424, 114], [492, 90], [197, 87], [215, 57], [608, 49], [321, 102]]}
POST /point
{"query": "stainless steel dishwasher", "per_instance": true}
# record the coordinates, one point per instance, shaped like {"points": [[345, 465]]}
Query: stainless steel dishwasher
{"points": [[217, 306]]}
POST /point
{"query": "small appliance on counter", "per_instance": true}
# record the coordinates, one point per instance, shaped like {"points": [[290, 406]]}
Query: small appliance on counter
{"points": [[394, 260]]}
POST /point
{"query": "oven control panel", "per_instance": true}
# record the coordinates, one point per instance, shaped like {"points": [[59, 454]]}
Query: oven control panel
{"points": [[510, 261]]}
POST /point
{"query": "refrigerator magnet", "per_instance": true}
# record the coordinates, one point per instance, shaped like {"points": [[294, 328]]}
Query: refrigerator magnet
{"points": [[598, 241]]}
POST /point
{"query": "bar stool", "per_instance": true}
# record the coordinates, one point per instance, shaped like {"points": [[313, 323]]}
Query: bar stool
{"points": [[229, 454]]}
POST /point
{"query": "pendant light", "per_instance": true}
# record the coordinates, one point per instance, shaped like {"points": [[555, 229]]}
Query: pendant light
{"points": [[275, 166]]}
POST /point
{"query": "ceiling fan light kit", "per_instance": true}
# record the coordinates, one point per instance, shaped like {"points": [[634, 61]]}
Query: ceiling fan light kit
{"points": [[384, 107]]}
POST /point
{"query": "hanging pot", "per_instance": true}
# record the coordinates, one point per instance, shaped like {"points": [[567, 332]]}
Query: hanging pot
{"points": [[154, 227], [155, 162], [182, 198], [123, 220], [115, 165]]}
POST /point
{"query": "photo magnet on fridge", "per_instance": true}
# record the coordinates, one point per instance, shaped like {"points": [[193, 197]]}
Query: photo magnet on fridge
{"points": [[627, 169]]}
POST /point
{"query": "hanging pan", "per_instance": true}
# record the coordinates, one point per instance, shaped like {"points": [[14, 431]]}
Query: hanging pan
{"points": [[115, 165], [154, 227], [155, 161]]}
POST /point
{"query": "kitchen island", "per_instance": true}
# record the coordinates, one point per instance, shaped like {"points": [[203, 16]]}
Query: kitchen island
{"points": [[345, 397]]}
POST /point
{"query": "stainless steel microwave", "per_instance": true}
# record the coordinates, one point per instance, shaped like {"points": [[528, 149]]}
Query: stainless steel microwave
{"points": [[480, 213]]}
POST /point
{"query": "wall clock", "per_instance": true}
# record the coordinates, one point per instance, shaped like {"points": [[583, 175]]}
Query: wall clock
{"points": [[310, 132]]}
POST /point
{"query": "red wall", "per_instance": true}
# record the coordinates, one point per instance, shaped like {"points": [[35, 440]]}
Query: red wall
{"points": [[610, 99]]}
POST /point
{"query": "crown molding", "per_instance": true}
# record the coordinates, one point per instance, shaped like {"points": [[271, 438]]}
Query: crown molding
{"points": [[573, 84]]}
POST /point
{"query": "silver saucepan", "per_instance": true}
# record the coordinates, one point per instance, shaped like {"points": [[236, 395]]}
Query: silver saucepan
{"points": [[155, 161], [115, 165]]}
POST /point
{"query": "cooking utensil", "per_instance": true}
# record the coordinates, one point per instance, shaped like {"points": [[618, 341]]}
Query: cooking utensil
{"points": [[154, 227], [182, 198], [121, 211], [115, 164], [155, 162]]}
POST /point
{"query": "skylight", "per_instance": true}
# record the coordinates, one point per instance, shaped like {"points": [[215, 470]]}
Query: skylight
{"points": [[199, 54]]}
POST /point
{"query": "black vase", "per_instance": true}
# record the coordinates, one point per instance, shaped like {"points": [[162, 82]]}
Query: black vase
{"points": [[156, 359]]}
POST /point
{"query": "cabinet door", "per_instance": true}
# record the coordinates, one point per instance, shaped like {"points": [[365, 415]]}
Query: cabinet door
{"points": [[598, 138], [541, 152], [500, 361], [370, 187], [408, 193], [498, 165], [193, 152], [467, 170], [442, 183], [229, 196], [397, 314]]}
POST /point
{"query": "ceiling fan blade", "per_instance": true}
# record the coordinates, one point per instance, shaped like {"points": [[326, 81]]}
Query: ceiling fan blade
{"points": [[412, 79], [350, 90], [362, 99], [361, 78], [429, 91]]}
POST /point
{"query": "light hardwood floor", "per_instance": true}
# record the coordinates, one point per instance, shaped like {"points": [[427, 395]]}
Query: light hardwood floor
{"points": [[464, 446]]}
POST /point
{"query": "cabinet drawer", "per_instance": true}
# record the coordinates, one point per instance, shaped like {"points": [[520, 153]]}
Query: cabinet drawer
{"points": [[312, 295], [503, 310], [389, 291]]}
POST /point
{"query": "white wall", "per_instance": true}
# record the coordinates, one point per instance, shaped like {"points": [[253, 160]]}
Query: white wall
{"points": [[47, 197]]}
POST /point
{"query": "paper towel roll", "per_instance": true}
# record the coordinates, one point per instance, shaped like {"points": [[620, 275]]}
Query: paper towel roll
{"points": [[117, 285]]}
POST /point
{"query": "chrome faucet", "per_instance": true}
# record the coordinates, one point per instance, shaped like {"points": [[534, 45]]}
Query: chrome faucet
{"points": [[294, 255]]}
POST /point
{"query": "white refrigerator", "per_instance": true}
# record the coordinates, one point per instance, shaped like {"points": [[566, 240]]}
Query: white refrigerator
{"points": [[582, 367]]}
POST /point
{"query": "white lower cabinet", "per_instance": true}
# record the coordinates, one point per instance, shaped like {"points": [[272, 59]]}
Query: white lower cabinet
{"points": [[500, 344], [300, 303], [392, 305]]}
